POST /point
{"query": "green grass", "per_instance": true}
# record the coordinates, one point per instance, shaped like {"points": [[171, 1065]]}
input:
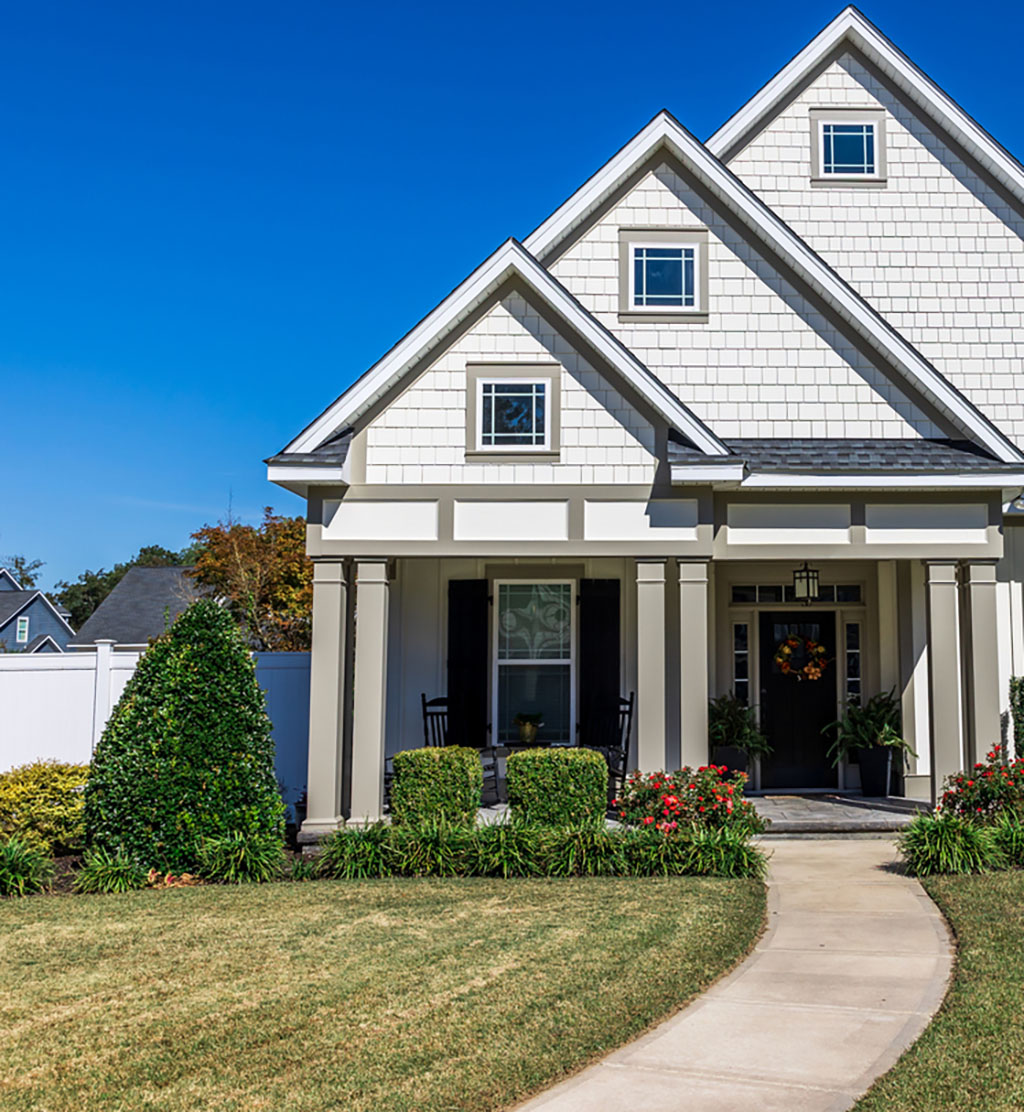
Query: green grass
{"points": [[391, 996], [971, 1058]]}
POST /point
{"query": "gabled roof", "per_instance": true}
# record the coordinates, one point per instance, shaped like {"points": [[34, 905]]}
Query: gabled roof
{"points": [[12, 603], [40, 642], [8, 582], [140, 607], [510, 260], [851, 28], [664, 132]]}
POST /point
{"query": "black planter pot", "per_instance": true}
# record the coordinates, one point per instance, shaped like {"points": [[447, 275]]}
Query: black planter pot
{"points": [[875, 764], [735, 760]]}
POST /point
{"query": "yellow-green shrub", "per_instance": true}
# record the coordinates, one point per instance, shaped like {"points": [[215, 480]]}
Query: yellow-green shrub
{"points": [[42, 802]]}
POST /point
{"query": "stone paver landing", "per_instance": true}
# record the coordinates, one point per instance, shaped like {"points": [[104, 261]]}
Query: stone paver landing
{"points": [[853, 965]]}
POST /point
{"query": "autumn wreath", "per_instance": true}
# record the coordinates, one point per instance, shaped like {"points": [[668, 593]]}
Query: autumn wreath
{"points": [[788, 657]]}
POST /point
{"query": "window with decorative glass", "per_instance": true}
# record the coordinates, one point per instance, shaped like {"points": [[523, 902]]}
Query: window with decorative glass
{"points": [[848, 149], [534, 659]]}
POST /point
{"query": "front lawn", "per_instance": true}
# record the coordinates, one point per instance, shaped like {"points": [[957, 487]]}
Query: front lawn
{"points": [[391, 996], [971, 1058]]}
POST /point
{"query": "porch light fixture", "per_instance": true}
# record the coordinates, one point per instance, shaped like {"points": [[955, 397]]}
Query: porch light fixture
{"points": [[805, 584]]}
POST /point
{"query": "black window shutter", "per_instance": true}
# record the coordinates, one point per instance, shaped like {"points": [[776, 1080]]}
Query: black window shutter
{"points": [[599, 663], [468, 658]]}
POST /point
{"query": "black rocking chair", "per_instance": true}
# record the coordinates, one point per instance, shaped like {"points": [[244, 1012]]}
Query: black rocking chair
{"points": [[435, 720], [617, 754]]}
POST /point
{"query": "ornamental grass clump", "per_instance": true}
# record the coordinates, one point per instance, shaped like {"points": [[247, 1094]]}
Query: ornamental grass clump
{"points": [[24, 867], [950, 843], [42, 803], [241, 858], [557, 787], [187, 753], [103, 872], [707, 797], [436, 784]]}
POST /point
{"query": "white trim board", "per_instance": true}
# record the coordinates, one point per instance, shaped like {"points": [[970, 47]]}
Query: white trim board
{"points": [[665, 132], [511, 259], [851, 27]]}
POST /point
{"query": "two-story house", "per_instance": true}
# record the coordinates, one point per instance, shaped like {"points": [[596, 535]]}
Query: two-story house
{"points": [[29, 622], [730, 394]]}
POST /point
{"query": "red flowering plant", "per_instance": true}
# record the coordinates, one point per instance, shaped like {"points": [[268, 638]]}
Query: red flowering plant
{"points": [[993, 787], [709, 796]]}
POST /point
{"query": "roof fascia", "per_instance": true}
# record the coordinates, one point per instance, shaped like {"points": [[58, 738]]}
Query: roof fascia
{"points": [[913, 368], [850, 27], [510, 259]]}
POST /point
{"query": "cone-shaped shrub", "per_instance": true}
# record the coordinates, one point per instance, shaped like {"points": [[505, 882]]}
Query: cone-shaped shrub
{"points": [[187, 753]]}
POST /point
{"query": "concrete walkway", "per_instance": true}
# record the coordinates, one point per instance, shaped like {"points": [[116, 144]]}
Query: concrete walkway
{"points": [[853, 965]]}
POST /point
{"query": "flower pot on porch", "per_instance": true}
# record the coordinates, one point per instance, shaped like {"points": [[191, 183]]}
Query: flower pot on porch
{"points": [[735, 760], [875, 764]]}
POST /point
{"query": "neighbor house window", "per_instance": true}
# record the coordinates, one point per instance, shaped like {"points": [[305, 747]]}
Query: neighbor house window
{"points": [[513, 414], [847, 148], [533, 659], [664, 276], [22, 631]]}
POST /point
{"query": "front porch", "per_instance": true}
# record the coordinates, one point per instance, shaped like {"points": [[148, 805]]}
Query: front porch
{"points": [[566, 638]]}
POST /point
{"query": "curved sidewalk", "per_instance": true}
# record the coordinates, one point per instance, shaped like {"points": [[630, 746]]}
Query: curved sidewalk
{"points": [[853, 965]]}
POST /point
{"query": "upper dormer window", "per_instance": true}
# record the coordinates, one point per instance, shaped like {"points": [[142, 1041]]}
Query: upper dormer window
{"points": [[847, 146], [664, 276], [848, 149]]}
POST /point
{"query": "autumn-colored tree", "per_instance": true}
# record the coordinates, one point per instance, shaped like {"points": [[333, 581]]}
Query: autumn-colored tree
{"points": [[264, 575]]}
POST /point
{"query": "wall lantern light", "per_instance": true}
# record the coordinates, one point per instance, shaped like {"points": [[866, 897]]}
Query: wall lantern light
{"points": [[805, 584]]}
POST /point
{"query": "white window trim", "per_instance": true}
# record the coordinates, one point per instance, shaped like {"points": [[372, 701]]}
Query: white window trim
{"points": [[572, 585], [831, 175], [21, 631], [679, 245], [540, 379]]}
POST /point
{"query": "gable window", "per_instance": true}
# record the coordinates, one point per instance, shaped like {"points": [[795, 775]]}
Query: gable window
{"points": [[513, 414], [664, 276], [22, 631], [847, 146]]}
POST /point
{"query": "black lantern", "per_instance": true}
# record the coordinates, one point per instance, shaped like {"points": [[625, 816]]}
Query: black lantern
{"points": [[805, 584]]}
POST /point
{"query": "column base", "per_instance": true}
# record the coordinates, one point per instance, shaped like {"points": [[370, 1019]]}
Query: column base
{"points": [[313, 831]]}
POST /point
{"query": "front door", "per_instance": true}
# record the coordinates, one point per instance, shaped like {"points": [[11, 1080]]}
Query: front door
{"points": [[795, 706]]}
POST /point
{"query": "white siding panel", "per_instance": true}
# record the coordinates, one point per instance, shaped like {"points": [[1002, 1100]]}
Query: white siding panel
{"points": [[641, 521], [385, 521], [511, 521], [949, 523], [764, 523]]}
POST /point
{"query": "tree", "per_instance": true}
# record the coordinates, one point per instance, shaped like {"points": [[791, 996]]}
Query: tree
{"points": [[92, 587], [265, 576], [187, 753], [24, 570]]}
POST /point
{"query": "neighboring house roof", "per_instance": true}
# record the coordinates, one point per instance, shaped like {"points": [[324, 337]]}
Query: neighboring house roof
{"points": [[511, 260], [139, 608], [909, 365], [42, 643], [852, 29], [8, 582], [12, 603], [931, 462]]}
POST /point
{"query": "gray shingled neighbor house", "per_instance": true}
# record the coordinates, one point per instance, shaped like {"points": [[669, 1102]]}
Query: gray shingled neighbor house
{"points": [[29, 621], [142, 605]]}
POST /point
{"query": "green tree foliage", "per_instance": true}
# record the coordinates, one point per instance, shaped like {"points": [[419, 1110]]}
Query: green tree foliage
{"points": [[24, 570], [187, 753], [92, 587]]}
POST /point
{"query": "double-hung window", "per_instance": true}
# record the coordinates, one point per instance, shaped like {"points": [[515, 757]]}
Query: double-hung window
{"points": [[664, 276], [534, 662], [21, 634], [513, 414]]}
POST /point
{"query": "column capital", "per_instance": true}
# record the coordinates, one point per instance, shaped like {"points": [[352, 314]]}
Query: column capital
{"points": [[650, 571], [941, 572], [692, 571], [980, 571], [372, 569], [329, 571]]}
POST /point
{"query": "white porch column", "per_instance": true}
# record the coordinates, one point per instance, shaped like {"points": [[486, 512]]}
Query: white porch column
{"points": [[369, 690], [650, 664], [982, 665], [914, 669], [326, 700], [944, 672], [693, 663]]}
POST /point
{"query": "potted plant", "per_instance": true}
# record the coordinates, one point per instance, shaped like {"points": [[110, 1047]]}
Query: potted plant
{"points": [[734, 734], [872, 732], [528, 725]]}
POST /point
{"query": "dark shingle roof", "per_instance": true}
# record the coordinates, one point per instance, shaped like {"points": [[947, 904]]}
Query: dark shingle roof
{"points": [[38, 640], [824, 455], [140, 607], [334, 450], [12, 601]]}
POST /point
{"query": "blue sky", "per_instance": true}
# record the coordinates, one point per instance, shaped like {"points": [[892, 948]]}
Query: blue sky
{"points": [[213, 216]]}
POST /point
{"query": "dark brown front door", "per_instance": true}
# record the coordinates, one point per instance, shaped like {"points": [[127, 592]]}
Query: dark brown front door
{"points": [[793, 712]]}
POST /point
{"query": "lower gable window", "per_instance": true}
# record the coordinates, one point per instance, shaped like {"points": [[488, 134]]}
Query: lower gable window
{"points": [[513, 414]]}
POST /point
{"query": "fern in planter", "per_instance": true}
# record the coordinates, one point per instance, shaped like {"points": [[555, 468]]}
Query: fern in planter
{"points": [[733, 725], [872, 731]]}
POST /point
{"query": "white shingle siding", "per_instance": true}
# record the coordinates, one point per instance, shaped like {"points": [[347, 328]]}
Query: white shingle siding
{"points": [[766, 363], [421, 436], [936, 251]]}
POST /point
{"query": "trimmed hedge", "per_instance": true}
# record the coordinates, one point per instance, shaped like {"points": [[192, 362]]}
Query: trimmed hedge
{"points": [[187, 753], [507, 850], [1017, 714], [42, 803], [438, 784], [558, 787]]}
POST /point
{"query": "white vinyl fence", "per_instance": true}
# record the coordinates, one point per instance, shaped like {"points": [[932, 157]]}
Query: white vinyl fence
{"points": [[53, 706]]}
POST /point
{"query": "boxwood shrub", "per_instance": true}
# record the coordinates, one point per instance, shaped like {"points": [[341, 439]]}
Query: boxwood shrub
{"points": [[558, 787], [42, 802], [187, 753], [439, 784]]}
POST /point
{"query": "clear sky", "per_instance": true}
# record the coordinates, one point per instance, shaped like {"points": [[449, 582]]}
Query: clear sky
{"points": [[215, 215]]}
